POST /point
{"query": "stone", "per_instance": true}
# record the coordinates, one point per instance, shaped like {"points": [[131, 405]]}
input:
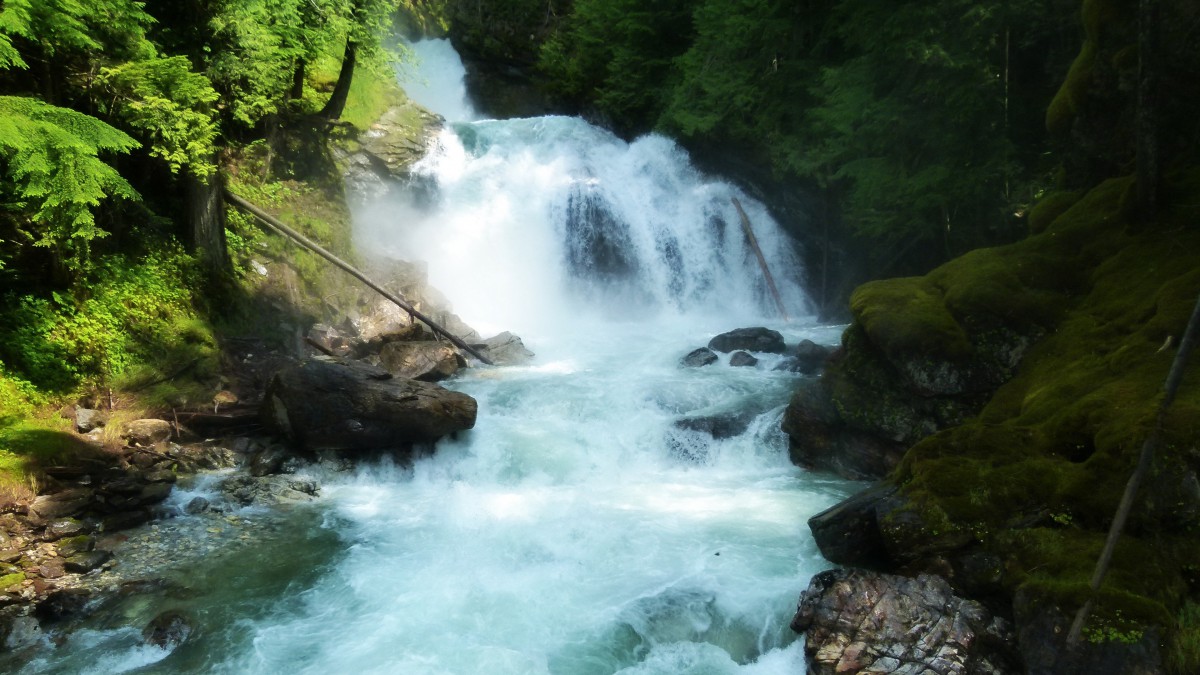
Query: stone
{"points": [[21, 632], [328, 405], [810, 357], [427, 361], [332, 341], [749, 339], [123, 520], [742, 359], [268, 461], [62, 604], [83, 563], [848, 533], [87, 419], [168, 630], [65, 527], [160, 476], [60, 504], [196, 506], [698, 358], [52, 569], [154, 493], [724, 425], [819, 439], [505, 349], [80, 544], [859, 621], [147, 431]]}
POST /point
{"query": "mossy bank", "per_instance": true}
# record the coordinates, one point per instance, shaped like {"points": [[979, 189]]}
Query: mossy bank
{"points": [[1052, 354]]}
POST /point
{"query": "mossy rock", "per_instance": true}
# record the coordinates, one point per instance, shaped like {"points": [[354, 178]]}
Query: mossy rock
{"points": [[1037, 476], [9, 580], [1049, 208]]}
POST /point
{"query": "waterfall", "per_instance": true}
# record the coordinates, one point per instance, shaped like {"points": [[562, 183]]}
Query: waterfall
{"points": [[577, 530]]}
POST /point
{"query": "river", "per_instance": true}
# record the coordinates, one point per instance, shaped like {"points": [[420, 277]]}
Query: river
{"points": [[576, 530]]}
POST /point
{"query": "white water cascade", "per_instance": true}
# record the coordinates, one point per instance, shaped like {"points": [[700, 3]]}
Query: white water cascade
{"points": [[576, 530]]}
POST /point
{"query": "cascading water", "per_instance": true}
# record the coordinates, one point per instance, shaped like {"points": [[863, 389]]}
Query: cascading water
{"points": [[576, 530]]}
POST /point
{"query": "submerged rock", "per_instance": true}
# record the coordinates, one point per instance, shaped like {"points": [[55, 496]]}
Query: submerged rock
{"points": [[741, 359], [856, 621], [757, 339], [329, 405], [698, 358], [168, 630]]}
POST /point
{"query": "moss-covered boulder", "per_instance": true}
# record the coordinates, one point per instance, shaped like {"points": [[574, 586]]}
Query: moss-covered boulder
{"points": [[1067, 338]]}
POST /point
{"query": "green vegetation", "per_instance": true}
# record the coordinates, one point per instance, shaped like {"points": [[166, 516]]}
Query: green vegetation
{"points": [[117, 118]]}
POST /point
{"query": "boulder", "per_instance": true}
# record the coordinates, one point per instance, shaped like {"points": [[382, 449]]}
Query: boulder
{"points": [[87, 419], [61, 504], [724, 425], [168, 630], [331, 340], [856, 621], [428, 361], [848, 533], [330, 405], [750, 339], [87, 561], [505, 349], [62, 604], [146, 431], [741, 359], [820, 439], [810, 357], [698, 358]]}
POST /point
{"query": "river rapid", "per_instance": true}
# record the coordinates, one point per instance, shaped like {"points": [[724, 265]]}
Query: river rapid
{"points": [[576, 530]]}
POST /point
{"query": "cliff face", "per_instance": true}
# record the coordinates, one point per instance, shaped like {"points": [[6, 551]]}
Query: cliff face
{"points": [[1008, 394]]}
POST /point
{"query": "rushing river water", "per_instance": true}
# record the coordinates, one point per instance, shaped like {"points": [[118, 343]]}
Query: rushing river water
{"points": [[576, 530]]}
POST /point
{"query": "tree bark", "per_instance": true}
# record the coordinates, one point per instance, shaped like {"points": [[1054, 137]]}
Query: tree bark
{"points": [[341, 91], [298, 74], [1149, 171], [206, 221]]}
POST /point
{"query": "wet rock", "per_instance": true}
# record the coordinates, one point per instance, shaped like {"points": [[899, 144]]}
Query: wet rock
{"points": [[62, 604], [168, 630], [65, 527], [61, 504], [427, 361], [124, 520], [331, 340], [330, 405], [154, 493], [857, 621], [20, 632], [810, 357], [267, 490], [741, 359], [73, 545], [819, 438], [160, 476], [146, 432], [83, 563], [87, 419], [698, 358], [196, 506], [505, 349], [8, 555], [725, 425], [52, 568], [848, 533], [750, 339], [268, 461]]}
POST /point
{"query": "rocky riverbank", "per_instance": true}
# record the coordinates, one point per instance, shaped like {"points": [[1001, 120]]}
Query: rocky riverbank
{"points": [[1002, 400]]}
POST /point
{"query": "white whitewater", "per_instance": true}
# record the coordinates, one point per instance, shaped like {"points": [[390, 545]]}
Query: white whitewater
{"points": [[575, 530]]}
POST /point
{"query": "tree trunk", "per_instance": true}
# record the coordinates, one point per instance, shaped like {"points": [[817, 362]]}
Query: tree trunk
{"points": [[206, 222], [341, 91], [298, 79], [1149, 171]]}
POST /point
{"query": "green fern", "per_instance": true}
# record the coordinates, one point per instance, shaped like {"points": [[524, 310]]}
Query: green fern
{"points": [[51, 157]]}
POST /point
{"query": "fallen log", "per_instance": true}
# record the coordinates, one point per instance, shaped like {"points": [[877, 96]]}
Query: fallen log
{"points": [[276, 225], [762, 261]]}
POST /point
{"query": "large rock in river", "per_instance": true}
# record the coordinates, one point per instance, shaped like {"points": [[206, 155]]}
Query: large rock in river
{"points": [[857, 621], [750, 339], [330, 405]]}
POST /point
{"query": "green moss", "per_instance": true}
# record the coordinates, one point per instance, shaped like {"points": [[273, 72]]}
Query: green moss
{"points": [[11, 579], [1036, 477], [906, 317], [1068, 101], [1050, 208]]}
